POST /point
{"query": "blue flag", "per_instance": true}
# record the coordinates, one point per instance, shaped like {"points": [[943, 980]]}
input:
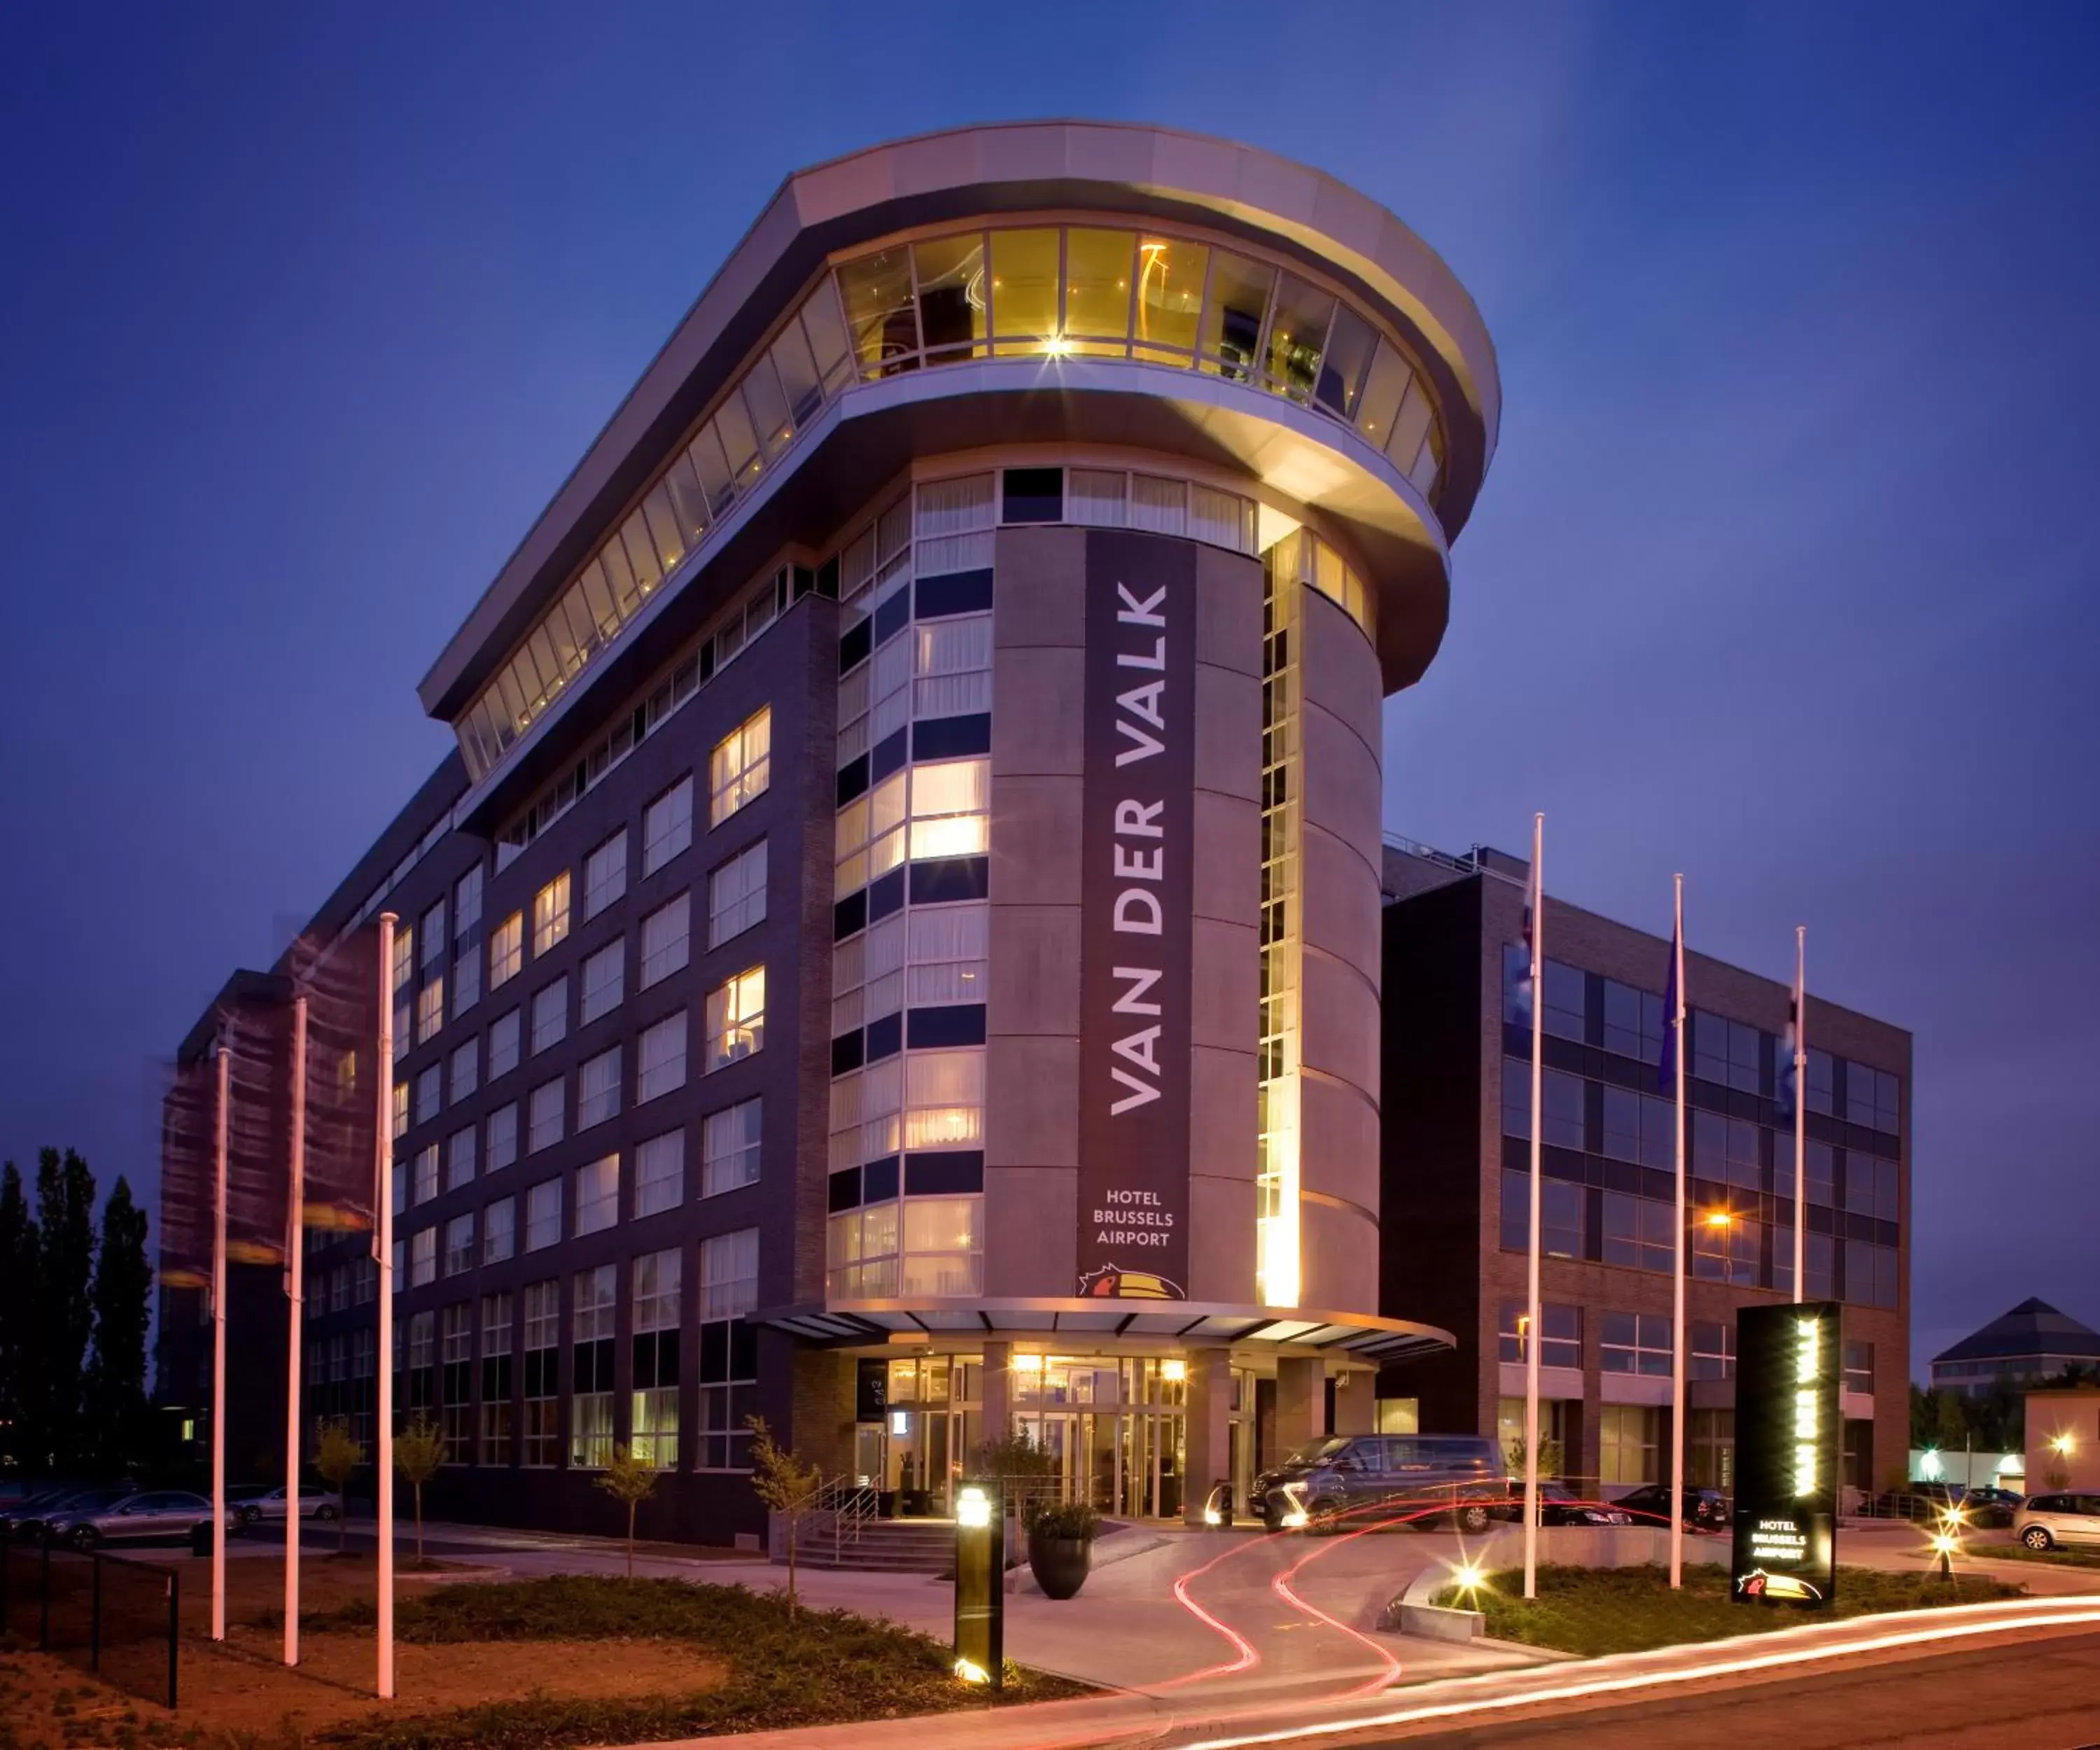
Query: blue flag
{"points": [[1666, 1077]]}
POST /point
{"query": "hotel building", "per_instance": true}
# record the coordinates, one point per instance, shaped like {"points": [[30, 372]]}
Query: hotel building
{"points": [[897, 948]]}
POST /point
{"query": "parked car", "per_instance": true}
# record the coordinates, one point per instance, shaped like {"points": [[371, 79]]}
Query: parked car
{"points": [[1560, 1505], [315, 1503], [149, 1516], [1357, 1478], [1706, 1509], [2048, 1520], [1989, 1506], [34, 1521]]}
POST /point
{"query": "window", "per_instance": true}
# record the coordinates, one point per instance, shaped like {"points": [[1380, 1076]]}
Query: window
{"points": [[459, 1245], [654, 1412], [466, 902], [465, 1069], [598, 1089], [861, 1254], [1640, 1232], [596, 1202], [1633, 1022], [944, 1099], [499, 1231], [1873, 1097], [1561, 1096], [659, 1174], [728, 1349], [605, 874], [506, 951], [1637, 1343], [544, 1122], [403, 1039], [604, 981], [430, 1008], [1710, 1451], [665, 936], [661, 1059], [1870, 1273], [404, 955], [1725, 1150], [667, 825], [550, 1015], [495, 1430], [946, 953], [426, 1173], [503, 1045], [1560, 1215], [1639, 1127], [398, 1179], [431, 931], [430, 1094], [1561, 1342], [466, 981], [422, 1257], [740, 767], [1566, 1000], [1729, 1252], [502, 1138], [543, 1214], [543, 1373], [1628, 1442], [550, 915], [949, 804], [590, 1385], [1822, 1250], [400, 1110], [736, 1018], [1859, 1369], [943, 1246], [1713, 1350], [728, 1148], [1726, 1052], [460, 1159], [736, 895]]}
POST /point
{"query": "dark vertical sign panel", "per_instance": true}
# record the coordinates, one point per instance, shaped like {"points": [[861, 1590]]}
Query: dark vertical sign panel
{"points": [[1137, 849], [1790, 1452]]}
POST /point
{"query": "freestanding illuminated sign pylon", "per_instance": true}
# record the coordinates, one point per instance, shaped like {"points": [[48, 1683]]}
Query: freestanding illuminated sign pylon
{"points": [[1789, 1449]]}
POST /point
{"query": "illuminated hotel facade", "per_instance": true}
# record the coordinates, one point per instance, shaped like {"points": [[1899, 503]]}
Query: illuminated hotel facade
{"points": [[897, 949]]}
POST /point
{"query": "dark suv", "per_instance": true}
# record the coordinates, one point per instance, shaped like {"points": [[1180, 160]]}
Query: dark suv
{"points": [[1706, 1509], [1357, 1479]]}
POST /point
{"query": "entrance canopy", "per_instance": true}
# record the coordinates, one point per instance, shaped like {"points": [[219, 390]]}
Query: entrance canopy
{"points": [[1183, 1324]]}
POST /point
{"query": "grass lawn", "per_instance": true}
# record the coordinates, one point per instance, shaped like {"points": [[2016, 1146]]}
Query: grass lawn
{"points": [[531, 1665], [1627, 1610], [2059, 1557]]}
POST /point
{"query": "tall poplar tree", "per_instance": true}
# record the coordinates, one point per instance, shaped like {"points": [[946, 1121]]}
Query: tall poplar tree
{"points": [[65, 1219], [22, 1437], [116, 1394]]}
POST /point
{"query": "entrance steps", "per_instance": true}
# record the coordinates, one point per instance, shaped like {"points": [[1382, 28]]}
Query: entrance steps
{"points": [[895, 1546]]}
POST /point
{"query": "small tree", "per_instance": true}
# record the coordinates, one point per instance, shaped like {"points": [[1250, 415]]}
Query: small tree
{"points": [[1551, 1457], [632, 1480], [335, 1457], [418, 1450], [784, 1484]]}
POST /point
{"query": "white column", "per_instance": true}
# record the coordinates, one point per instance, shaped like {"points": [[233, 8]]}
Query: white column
{"points": [[383, 1229], [1531, 1333], [219, 1352], [295, 1288]]}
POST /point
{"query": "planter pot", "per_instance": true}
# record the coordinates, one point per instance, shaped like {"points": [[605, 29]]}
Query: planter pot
{"points": [[1060, 1564]]}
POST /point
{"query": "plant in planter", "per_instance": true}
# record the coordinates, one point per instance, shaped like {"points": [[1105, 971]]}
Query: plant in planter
{"points": [[1060, 1545]]}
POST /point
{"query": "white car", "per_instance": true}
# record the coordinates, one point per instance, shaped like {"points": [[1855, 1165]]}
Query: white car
{"points": [[314, 1503], [2048, 1520]]}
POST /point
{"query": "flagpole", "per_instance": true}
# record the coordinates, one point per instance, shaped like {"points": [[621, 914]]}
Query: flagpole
{"points": [[383, 1230], [218, 1348], [1800, 1113], [296, 1289], [1538, 1089], [1677, 1280]]}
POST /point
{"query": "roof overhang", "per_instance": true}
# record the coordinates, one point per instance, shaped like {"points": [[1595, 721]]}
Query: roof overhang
{"points": [[1286, 1330], [1141, 172], [865, 440]]}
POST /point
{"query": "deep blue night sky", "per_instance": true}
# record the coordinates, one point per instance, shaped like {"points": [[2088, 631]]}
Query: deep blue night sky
{"points": [[1783, 576]]}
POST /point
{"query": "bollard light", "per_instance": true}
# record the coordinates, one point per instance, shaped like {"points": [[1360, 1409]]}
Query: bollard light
{"points": [[980, 1584]]}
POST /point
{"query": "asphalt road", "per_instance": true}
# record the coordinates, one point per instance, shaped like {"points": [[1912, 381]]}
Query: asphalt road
{"points": [[2039, 1692]]}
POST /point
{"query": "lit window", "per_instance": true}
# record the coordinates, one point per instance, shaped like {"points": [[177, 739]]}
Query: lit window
{"points": [[740, 767], [541, 1428], [598, 1089], [591, 1360], [654, 1297], [945, 952], [502, 1138], [422, 1257], [1562, 1343], [544, 1124], [596, 1201], [405, 954], [729, 1274], [944, 1098], [943, 1246], [661, 1058], [730, 1148], [949, 801], [667, 825], [550, 1015], [736, 1018], [604, 874], [506, 951], [666, 937], [659, 1174], [400, 1109], [503, 1045], [604, 981], [550, 914], [736, 895], [430, 1009], [427, 1173]]}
